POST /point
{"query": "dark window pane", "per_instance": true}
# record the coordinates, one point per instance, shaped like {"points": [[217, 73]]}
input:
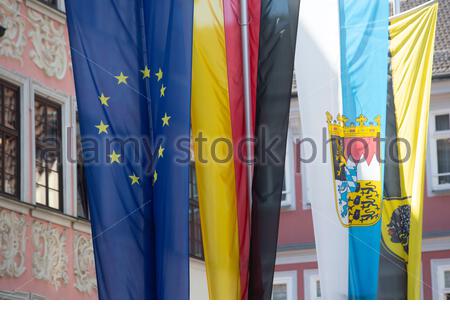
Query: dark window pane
{"points": [[447, 279], [1, 103], [82, 200], [52, 123], [442, 122], [10, 183], [51, 3], [11, 145], [9, 139], [39, 114], [41, 176], [10, 107], [443, 153], [52, 159], [444, 179], [10, 164], [195, 231]]}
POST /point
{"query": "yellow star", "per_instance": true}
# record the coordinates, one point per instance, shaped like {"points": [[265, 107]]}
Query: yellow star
{"points": [[163, 91], [104, 100], [161, 152], [145, 73], [121, 78], [115, 157], [102, 128], [134, 179], [155, 177], [165, 120], [159, 74]]}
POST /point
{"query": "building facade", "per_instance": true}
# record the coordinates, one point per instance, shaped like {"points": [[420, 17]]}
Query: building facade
{"points": [[45, 239]]}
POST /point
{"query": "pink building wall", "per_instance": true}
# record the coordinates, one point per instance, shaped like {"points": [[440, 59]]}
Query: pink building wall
{"points": [[65, 269]]}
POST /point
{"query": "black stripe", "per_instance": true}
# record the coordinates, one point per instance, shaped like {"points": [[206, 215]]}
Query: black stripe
{"points": [[279, 20], [392, 276]]}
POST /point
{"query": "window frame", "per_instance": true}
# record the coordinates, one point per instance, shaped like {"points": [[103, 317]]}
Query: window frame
{"points": [[17, 134], [434, 137], [49, 103], [68, 146], [24, 84], [289, 278], [438, 269], [310, 278]]}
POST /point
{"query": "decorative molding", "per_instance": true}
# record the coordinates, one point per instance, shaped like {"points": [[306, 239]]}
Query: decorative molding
{"points": [[296, 256], [54, 14], [436, 244], [49, 258], [12, 44], [82, 226], [12, 244], [83, 264], [15, 205], [49, 51], [53, 217]]}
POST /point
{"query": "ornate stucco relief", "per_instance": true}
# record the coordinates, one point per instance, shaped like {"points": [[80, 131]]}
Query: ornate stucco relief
{"points": [[49, 51], [12, 244], [49, 256], [12, 44], [83, 264]]}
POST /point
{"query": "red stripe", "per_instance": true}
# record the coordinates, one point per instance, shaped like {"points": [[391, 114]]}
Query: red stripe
{"points": [[237, 112]]}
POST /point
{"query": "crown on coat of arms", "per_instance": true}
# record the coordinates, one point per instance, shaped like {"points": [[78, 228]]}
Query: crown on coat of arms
{"points": [[363, 128]]}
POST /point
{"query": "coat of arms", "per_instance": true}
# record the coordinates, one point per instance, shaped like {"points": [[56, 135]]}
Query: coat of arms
{"points": [[356, 169]]}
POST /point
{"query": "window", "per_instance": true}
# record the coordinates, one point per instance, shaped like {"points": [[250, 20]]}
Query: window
{"points": [[49, 177], [284, 285], [82, 201], [440, 150], [288, 193], [300, 151], [51, 3], [447, 284], [9, 139], [440, 279], [279, 291], [195, 230], [312, 285]]}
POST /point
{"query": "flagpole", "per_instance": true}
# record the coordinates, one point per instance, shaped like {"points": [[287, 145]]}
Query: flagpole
{"points": [[396, 6], [247, 94]]}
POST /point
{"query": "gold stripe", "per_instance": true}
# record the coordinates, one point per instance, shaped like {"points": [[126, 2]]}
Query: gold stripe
{"points": [[216, 181]]}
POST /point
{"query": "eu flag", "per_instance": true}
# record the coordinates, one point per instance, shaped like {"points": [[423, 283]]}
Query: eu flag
{"points": [[132, 70]]}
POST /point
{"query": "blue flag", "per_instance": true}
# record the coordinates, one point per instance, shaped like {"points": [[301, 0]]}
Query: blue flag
{"points": [[169, 41], [132, 75]]}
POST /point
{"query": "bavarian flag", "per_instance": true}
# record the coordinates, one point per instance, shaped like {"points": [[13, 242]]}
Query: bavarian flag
{"points": [[364, 87]]}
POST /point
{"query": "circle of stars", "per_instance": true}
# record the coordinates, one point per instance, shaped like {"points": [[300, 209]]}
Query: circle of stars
{"points": [[102, 127]]}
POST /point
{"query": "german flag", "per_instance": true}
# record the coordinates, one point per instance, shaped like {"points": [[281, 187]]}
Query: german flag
{"points": [[218, 129], [235, 252]]}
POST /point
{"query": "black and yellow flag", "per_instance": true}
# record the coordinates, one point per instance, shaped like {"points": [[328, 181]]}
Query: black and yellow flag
{"points": [[411, 59]]}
